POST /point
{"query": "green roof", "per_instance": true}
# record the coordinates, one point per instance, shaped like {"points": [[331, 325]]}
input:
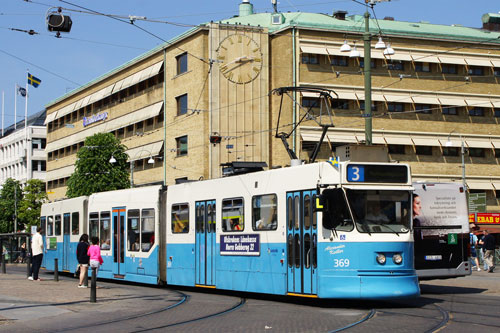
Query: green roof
{"points": [[355, 24]]}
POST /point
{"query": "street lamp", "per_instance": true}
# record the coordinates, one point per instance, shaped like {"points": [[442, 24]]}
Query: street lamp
{"points": [[367, 67], [462, 152], [112, 160]]}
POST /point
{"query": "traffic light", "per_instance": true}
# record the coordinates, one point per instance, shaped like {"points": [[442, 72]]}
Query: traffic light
{"points": [[215, 139]]}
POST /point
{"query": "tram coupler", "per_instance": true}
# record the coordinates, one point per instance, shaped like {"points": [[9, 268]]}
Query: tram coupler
{"points": [[56, 270], [93, 286]]}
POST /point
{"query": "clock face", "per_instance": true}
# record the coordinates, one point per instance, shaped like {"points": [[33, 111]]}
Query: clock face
{"points": [[240, 59]]}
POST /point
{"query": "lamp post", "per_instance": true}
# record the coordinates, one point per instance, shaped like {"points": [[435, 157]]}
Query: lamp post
{"points": [[112, 160], [462, 152]]}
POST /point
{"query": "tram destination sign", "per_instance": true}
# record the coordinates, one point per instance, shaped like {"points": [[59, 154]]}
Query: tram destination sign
{"points": [[372, 173], [240, 245]]}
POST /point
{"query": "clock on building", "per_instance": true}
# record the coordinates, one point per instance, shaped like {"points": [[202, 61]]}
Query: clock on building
{"points": [[240, 58]]}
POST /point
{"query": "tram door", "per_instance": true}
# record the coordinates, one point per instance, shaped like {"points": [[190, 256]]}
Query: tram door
{"points": [[205, 242], [66, 239], [302, 235], [119, 241]]}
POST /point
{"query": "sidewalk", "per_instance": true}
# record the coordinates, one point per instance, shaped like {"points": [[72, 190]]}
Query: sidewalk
{"points": [[34, 305]]}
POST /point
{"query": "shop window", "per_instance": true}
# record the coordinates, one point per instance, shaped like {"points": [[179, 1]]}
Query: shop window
{"points": [[182, 104], [232, 215], [265, 212], [422, 67], [396, 149], [423, 150], [182, 63], [310, 59], [182, 145], [180, 218]]}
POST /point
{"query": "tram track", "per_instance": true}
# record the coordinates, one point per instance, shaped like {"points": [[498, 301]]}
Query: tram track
{"points": [[367, 317]]}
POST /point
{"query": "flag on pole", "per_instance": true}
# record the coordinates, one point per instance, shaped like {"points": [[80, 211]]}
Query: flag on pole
{"points": [[34, 81], [21, 91]]}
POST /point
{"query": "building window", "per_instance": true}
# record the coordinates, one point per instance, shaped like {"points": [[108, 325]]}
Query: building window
{"points": [[423, 150], [310, 59], [311, 102], [396, 149], [182, 104], [496, 112], [182, 145], [476, 152], [423, 108], [362, 105], [450, 110], [475, 70], [182, 63], [362, 63], [339, 61], [497, 154], [496, 72], [476, 112], [340, 104], [395, 107], [450, 151], [181, 180], [448, 69], [395, 65], [422, 67]]}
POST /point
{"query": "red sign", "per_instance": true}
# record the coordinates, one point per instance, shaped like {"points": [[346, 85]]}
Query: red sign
{"points": [[488, 218], [472, 218]]}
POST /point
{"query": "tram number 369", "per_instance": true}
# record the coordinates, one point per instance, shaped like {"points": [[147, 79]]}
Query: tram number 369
{"points": [[340, 262]]}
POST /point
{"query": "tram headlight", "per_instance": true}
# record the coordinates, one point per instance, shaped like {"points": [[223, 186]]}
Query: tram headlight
{"points": [[397, 258], [381, 258]]}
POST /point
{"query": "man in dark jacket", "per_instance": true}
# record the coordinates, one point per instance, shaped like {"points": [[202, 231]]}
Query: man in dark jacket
{"points": [[488, 243]]}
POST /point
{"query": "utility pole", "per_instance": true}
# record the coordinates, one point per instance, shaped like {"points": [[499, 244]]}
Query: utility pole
{"points": [[368, 79]]}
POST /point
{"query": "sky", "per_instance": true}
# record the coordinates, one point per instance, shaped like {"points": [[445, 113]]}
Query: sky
{"points": [[98, 44]]}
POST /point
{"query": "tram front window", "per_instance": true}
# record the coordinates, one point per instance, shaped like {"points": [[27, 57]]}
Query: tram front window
{"points": [[377, 211]]}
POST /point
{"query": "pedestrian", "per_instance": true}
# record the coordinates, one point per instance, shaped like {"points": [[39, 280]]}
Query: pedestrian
{"points": [[37, 249], [94, 252], [83, 258], [23, 252], [488, 242], [473, 252]]}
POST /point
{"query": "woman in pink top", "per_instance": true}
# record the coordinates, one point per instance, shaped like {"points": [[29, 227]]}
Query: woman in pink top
{"points": [[94, 252]]}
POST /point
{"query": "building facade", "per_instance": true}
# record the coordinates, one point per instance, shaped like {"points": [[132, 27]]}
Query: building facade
{"points": [[22, 150], [435, 100]]}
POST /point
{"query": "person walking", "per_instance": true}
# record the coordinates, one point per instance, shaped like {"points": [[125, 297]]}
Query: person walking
{"points": [[83, 258], [37, 249], [473, 252], [94, 252], [488, 242]]}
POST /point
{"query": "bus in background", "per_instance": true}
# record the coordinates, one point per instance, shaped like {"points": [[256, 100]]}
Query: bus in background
{"points": [[441, 230]]}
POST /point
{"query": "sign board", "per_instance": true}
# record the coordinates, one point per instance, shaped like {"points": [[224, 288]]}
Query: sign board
{"points": [[51, 243], [240, 245], [488, 218], [33, 229], [472, 218], [477, 202], [452, 239]]}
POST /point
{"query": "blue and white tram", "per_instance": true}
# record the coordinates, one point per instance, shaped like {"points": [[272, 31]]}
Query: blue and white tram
{"points": [[63, 221], [315, 230]]}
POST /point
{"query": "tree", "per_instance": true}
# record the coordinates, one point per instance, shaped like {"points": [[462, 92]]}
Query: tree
{"points": [[31, 203], [93, 170], [10, 197]]}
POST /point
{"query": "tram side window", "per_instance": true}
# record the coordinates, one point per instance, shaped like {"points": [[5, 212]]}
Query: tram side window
{"points": [[43, 223], [232, 215], [75, 223], [93, 225], [105, 231], [264, 212], [66, 223], [133, 230], [50, 225], [147, 229], [57, 225], [180, 218]]}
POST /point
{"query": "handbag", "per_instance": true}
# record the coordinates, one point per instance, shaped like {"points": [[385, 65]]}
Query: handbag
{"points": [[77, 272]]}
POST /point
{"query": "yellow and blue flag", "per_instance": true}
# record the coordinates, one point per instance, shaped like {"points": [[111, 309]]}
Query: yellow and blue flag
{"points": [[334, 161], [34, 81]]}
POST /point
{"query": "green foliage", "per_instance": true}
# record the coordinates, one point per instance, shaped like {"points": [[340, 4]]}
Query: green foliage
{"points": [[10, 197], [93, 171], [31, 203]]}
